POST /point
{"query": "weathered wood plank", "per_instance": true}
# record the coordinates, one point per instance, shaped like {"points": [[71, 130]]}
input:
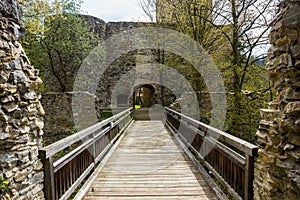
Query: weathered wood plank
{"points": [[148, 165], [198, 197]]}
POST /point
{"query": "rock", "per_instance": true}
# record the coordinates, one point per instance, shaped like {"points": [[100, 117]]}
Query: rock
{"points": [[291, 95], [11, 9], [30, 96], [41, 110], [37, 178], [36, 84], [20, 176], [34, 152], [8, 87], [9, 174], [18, 77], [291, 18], [23, 87], [3, 136], [15, 122], [283, 157], [18, 114], [296, 51], [4, 45], [295, 140], [8, 99], [2, 54], [293, 108], [24, 191], [3, 78], [288, 147], [279, 153], [266, 158], [285, 165], [14, 134], [15, 65], [39, 124], [273, 37], [297, 63], [10, 107], [295, 155], [270, 115], [24, 129], [292, 35], [38, 165], [22, 153], [282, 41], [23, 104], [3, 116]]}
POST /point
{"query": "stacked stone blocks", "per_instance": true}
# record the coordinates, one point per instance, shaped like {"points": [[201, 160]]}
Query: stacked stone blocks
{"points": [[277, 169], [21, 113]]}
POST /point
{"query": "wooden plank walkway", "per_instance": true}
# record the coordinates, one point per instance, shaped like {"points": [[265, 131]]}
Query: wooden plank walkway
{"points": [[148, 164]]}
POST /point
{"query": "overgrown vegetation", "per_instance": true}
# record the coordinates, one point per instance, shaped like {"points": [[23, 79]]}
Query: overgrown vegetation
{"points": [[233, 32], [57, 38], [4, 186]]}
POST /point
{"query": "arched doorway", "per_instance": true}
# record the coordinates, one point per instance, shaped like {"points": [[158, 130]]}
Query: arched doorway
{"points": [[144, 96]]}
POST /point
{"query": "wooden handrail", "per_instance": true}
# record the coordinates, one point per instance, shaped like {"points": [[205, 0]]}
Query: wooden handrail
{"points": [[236, 142], [63, 176], [230, 159]]}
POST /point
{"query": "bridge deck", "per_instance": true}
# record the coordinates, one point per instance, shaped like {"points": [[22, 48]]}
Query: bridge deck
{"points": [[148, 164]]}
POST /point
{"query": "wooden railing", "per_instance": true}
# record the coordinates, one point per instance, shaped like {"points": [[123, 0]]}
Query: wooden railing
{"points": [[63, 176], [230, 159]]}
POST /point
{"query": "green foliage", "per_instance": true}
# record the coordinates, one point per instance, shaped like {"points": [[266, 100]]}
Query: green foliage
{"points": [[67, 42], [105, 115], [244, 107], [137, 106], [231, 43], [4, 186], [57, 38]]}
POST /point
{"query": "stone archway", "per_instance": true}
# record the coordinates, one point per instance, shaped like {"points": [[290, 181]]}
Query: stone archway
{"points": [[144, 95]]}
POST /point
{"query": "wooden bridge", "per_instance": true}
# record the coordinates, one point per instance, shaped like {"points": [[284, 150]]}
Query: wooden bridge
{"points": [[173, 158]]}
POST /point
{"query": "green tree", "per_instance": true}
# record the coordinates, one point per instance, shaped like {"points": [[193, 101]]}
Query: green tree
{"points": [[57, 38], [232, 31]]}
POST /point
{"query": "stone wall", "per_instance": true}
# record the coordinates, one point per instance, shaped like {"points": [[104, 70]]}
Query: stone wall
{"points": [[59, 120], [130, 69], [21, 112], [277, 168], [62, 114]]}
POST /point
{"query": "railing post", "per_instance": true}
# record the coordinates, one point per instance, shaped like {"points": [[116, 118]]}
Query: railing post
{"points": [[49, 184], [94, 150], [249, 176]]}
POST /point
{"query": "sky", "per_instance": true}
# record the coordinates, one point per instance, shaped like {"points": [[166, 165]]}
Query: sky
{"points": [[114, 10]]}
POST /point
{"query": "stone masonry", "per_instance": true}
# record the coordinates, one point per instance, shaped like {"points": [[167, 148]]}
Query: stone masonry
{"points": [[21, 113], [277, 168], [59, 117]]}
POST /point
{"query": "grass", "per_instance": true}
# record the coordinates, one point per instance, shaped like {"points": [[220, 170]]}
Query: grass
{"points": [[105, 115], [137, 106]]}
